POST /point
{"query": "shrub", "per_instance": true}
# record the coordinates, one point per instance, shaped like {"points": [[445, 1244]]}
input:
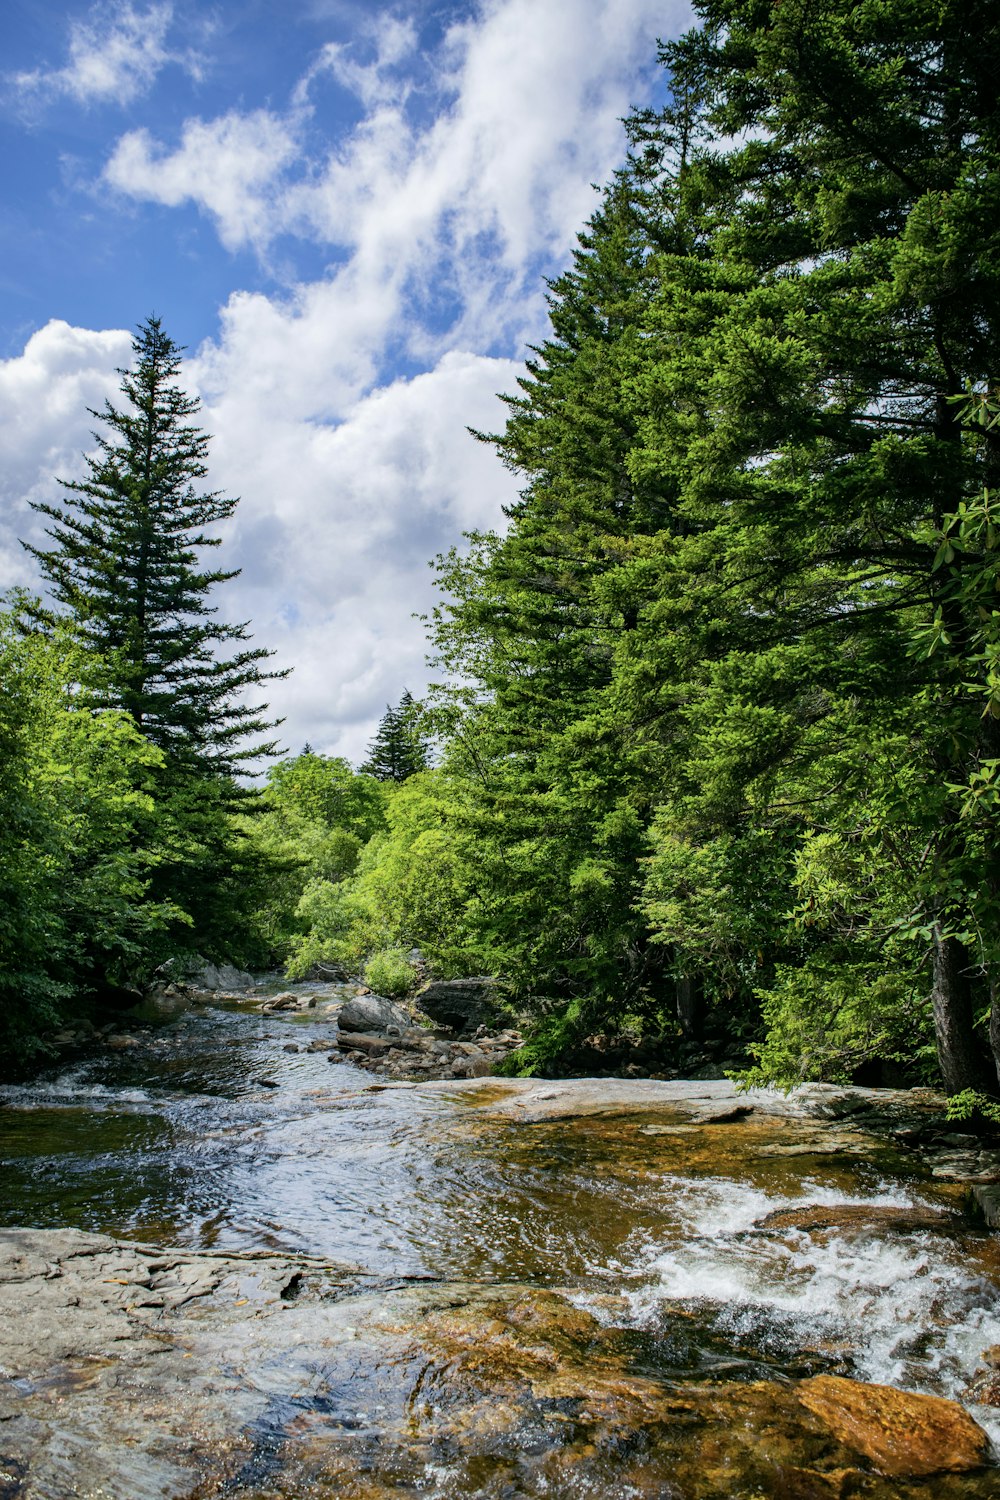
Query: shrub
{"points": [[390, 972]]}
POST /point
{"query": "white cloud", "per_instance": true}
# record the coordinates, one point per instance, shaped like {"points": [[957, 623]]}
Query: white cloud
{"points": [[337, 525], [45, 426], [440, 220], [114, 56], [226, 166], [377, 82]]}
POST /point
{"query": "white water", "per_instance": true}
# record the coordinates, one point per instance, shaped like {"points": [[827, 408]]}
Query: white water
{"points": [[903, 1309]]}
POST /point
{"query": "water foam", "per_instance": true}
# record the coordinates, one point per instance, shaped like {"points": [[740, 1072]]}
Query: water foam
{"points": [[901, 1309], [74, 1085]]}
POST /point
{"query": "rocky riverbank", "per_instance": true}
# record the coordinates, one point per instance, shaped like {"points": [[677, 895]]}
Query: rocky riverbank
{"points": [[450, 1028], [131, 1371], [134, 1373]]}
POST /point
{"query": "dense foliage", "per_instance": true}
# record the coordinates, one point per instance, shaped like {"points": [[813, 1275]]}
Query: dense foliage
{"points": [[726, 745], [719, 719], [124, 724], [79, 840]]}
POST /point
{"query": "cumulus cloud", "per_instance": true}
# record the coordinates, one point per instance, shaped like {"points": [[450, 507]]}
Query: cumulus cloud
{"points": [[528, 102], [226, 166], [466, 178], [336, 528], [115, 55], [45, 425]]}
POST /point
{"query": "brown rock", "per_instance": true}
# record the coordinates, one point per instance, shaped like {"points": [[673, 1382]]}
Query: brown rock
{"points": [[904, 1436], [985, 1388], [865, 1216], [357, 1041]]}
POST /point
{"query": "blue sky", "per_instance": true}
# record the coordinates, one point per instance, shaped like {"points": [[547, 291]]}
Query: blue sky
{"points": [[346, 212]]}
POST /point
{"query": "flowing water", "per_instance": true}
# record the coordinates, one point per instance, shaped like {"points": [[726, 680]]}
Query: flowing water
{"points": [[210, 1134]]}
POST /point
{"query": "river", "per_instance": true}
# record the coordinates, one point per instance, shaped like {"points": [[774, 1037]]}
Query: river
{"points": [[211, 1134]]}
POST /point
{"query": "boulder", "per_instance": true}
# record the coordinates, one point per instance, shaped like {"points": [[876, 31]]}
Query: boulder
{"points": [[222, 977], [369, 1013], [462, 1004], [905, 1436], [470, 1067], [285, 1001], [987, 1195]]}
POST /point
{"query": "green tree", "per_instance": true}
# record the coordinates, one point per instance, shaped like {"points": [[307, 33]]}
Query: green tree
{"points": [[323, 789], [310, 823], [80, 841], [126, 567], [399, 749], [415, 885], [561, 786], [803, 397]]}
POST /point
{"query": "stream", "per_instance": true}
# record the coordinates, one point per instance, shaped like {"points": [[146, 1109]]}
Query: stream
{"points": [[713, 1260]]}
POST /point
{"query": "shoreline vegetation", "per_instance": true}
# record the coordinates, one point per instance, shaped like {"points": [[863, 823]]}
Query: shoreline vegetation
{"points": [[712, 768]]}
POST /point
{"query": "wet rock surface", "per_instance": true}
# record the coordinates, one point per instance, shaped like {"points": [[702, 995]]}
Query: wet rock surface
{"points": [[904, 1435], [137, 1372], [312, 1282], [414, 1053]]}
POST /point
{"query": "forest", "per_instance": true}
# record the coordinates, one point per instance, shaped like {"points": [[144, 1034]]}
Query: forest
{"points": [[713, 753]]}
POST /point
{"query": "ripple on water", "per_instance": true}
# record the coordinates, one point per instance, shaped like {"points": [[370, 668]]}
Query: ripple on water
{"points": [[653, 1223]]}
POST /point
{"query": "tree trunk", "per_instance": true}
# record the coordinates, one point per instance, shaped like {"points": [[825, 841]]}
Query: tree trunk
{"points": [[995, 1031], [958, 1055], [688, 996]]}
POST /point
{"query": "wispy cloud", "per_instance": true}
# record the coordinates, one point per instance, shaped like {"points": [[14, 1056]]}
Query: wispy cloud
{"points": [[379, 81], [444, 203], [114, 56]]}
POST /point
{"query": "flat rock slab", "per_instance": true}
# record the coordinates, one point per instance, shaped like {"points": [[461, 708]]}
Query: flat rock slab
{"points": [[135, 1373], [866, 1218], [703, 1101]]}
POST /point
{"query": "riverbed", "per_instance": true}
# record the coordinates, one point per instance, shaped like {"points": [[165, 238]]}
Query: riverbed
{"points": [[607, 1289]]}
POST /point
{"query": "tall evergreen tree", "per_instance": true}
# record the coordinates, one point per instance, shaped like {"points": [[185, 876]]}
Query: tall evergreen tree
{"points": [[398, 750], [748, 577], [126, 566], [807, 396]]}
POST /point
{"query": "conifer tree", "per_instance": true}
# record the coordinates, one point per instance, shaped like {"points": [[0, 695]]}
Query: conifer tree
{"points": [[398, 750], [127, 566]]}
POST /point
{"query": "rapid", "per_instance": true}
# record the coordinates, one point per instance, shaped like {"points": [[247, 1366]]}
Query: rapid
{"points": [[714, 1254]]}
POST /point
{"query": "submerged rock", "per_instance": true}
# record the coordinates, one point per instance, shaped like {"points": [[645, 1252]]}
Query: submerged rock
{"points": [[905, 1436], [867, 1218]]}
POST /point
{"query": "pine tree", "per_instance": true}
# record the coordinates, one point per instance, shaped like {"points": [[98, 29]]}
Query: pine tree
{"points": [[806, 393], [126, 568], [398, 750]]}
